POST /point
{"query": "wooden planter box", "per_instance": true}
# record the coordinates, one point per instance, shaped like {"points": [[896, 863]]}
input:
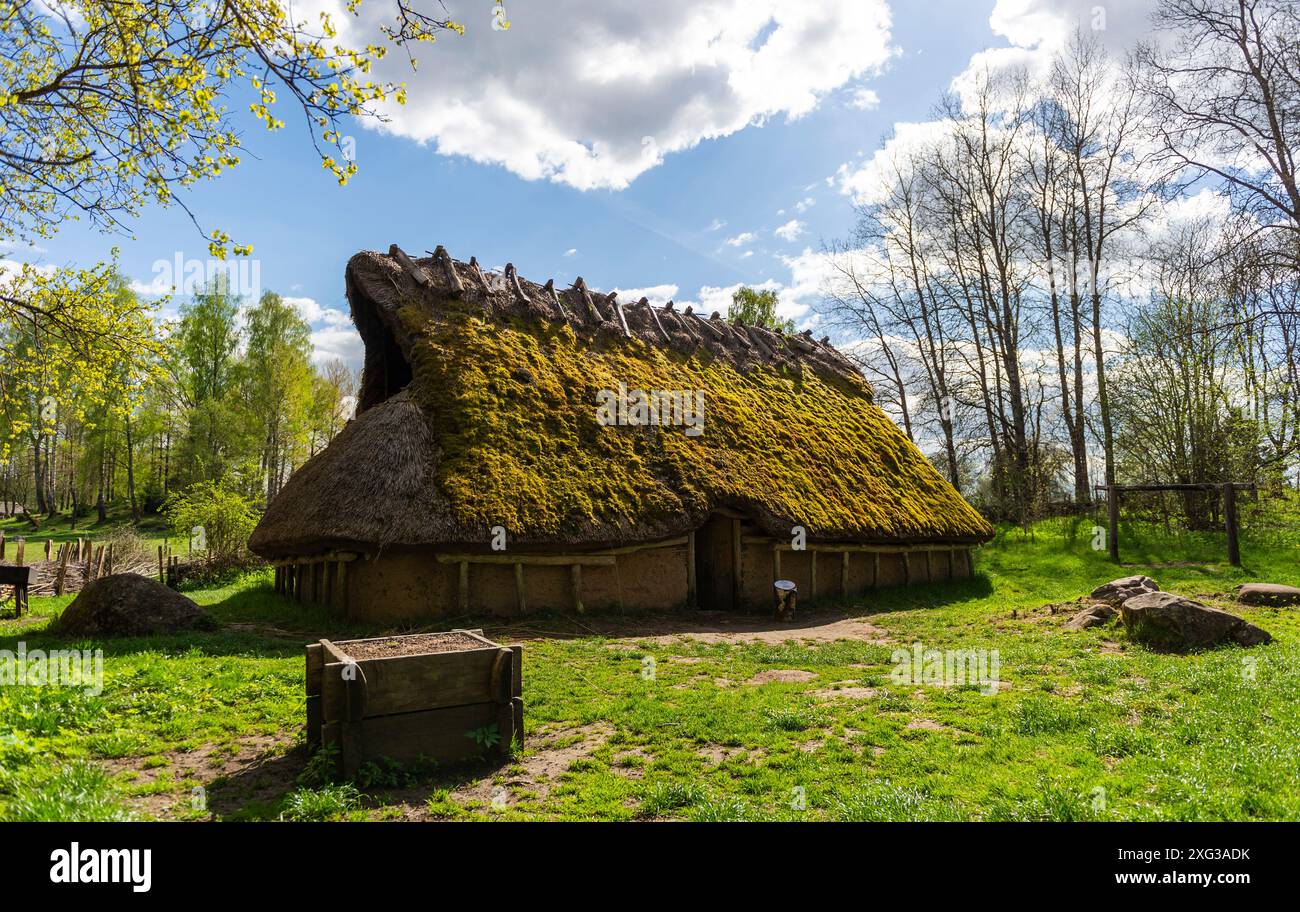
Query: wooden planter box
{"points": [[407, 697]]}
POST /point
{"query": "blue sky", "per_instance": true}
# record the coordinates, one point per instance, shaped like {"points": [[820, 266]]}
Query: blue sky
{"points": [[668, 226]]}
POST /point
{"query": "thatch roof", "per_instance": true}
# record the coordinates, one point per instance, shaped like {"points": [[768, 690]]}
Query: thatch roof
{"points": [[478, 409]]}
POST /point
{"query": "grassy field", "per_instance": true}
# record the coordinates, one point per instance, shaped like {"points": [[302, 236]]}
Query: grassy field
{"points": [[719, 718]]}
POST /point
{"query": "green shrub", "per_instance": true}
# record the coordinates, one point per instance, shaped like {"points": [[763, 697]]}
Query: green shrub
{"points": [[214, 516]]}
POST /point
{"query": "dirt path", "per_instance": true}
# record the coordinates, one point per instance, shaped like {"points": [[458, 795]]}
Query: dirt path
{"points": [[702, 627]]}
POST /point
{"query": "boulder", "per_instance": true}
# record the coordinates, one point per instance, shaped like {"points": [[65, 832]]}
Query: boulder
{"points": [[1092, 616], [128, 604], [1165, 619], [1270, 594], [1117, 591]]}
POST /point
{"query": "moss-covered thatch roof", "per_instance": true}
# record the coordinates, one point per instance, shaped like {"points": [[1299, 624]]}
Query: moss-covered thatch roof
{"points": [[478, 408]]}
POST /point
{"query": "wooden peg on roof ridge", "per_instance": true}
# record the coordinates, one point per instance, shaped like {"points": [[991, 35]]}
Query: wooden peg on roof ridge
{"points": [[442, 259], [417, 274], [513, 278]]}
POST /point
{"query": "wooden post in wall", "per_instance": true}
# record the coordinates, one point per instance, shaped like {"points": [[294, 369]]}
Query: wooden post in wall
{"points": [[812, 574], [875, 569], [341, 588], [691, 600], [907, 568], [844, 574], [462, 597], [737, 574], [519, 589], [575, 578]]}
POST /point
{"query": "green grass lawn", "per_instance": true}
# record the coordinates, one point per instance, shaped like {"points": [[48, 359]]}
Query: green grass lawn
{"points": [[1086, 724]]}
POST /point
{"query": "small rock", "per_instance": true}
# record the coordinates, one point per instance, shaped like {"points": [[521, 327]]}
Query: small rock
{"points": [[1270, 594], [128, 604], [1092, 616], [1115, 592], [1165, 619]]}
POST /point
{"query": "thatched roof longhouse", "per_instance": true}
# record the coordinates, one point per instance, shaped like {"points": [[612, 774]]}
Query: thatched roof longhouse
{"points": [[477, 409]]}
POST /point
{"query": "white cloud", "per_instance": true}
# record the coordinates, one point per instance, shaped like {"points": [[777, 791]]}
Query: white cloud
{"points": [[657, 294], [594, 94], [790, 231], [717, 224], [864, 179], [805, 204], [740, 240], [571, 252], [307, 308], [864, 99], [338, 342], [1038, 28]]}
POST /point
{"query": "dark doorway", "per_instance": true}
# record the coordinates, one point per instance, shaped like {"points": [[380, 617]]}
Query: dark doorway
{"points": [[714, 564]]}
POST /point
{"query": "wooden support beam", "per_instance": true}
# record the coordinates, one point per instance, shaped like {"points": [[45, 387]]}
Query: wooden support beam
{"points": [[812, 573], [540, 560], [1230, 523], [1112, 525], [691, 600], [844, 574], [929, 566], [520, 596], [462, 598], [952, 565], [737, 563], [575, 578], [875, 569], [341, 588], [776, 564]]}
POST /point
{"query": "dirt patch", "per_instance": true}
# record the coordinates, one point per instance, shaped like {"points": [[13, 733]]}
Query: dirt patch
{"points": [[783, 676], [926, 725], [717, 754], [257, 768], [703, 627], [541, 767], [849, 693], [418, 644]]}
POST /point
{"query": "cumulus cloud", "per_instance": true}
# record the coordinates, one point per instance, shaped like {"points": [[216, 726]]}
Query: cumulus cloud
{"points": [[1036, 29], [864, 99], [657, 294], [790, 231], [740, 240], [593, 95]]}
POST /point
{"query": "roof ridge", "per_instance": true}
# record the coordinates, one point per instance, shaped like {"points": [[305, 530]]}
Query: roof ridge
{"points": [[603, 314]]}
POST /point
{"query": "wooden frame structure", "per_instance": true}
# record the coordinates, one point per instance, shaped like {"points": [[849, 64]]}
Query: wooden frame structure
{"points": [[1229, 492], [323, 579]]}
